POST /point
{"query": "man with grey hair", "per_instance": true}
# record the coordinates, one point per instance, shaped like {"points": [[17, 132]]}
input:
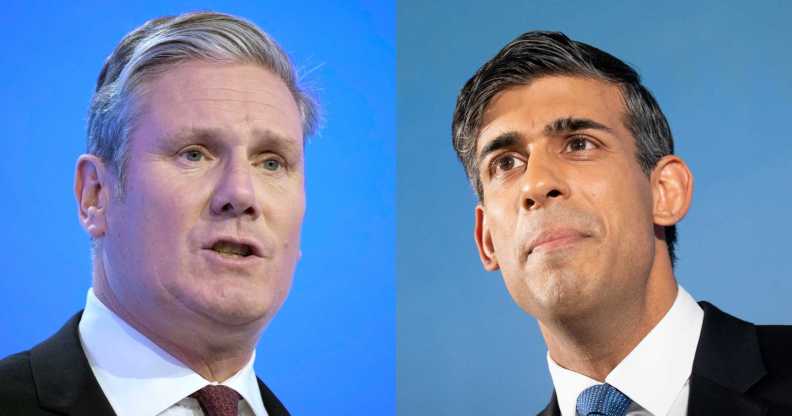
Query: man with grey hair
{"points": [[192, 192]]}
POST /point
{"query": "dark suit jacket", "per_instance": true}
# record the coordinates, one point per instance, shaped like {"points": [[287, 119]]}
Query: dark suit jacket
{"points": [[740, 369], [54, 378]]}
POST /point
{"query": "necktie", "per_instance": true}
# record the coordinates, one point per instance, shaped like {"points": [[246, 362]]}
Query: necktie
{"points": [[602, 399], [218, 400]]}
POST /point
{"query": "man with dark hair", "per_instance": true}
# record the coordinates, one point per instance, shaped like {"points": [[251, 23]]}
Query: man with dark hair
{"points": [[579, 193]]}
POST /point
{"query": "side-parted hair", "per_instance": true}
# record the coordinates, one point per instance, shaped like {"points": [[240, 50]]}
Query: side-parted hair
{"points": [[538, 54], [162, 42]]}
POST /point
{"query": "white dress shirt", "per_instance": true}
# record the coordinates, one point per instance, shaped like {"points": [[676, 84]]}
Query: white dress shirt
{"points": [[655, 375], [141, 379]]}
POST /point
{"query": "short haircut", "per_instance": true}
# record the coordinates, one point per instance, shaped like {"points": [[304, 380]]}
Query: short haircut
{"points": [[538, 54], [166, 41]]}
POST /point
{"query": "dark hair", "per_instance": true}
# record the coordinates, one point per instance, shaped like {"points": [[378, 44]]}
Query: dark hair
{"points": [[536, 54]]}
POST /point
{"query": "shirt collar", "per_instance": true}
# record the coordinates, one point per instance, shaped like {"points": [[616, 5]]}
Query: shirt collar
{"points": [[128, 366], [654, 372]]}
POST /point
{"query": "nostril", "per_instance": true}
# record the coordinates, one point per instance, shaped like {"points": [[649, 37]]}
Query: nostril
{"points": [[554, 193], [529, 203]]}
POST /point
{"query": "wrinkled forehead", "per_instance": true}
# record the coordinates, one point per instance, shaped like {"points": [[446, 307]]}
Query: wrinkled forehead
{"points": [[534, 106], [219, 100]]}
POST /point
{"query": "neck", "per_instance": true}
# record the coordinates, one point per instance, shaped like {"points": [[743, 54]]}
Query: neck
{"points": [[594, 344], [214, 351]]}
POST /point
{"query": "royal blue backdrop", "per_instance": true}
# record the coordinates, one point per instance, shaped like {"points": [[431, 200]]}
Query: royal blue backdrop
{"points": [[331, 349], [722, 73]]}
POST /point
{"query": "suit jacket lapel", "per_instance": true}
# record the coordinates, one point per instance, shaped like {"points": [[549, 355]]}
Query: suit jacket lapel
{"points": [[65, 383], [728, 362], [271, 403], [64, 380], [552, 408]]}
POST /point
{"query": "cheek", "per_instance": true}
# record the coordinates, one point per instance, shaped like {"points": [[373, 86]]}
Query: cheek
{"points": [[502, 223], [165, 209], [284, 209], [159, 215], [624, 202], [502, 209]]}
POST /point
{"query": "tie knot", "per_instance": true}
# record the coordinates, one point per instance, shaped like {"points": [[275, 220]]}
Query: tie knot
{"points": [[602, 399], [218, 400]]}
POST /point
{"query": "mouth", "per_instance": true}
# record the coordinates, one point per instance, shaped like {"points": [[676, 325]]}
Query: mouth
{"points": [[233, 248], [555, 239]]}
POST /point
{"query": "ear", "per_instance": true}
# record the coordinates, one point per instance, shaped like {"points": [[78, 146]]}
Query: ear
{"points": [[672, 190], [92, 191], [483, 239]]}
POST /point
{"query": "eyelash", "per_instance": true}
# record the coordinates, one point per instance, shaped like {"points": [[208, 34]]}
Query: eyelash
{"points": [[190, 150], [494, 164], [577, 139], [281, 163]]}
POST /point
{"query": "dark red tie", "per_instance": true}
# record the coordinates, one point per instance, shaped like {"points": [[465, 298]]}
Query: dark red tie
{"points": [[218, 400]]}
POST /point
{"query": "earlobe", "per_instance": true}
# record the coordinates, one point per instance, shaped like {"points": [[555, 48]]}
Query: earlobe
{"points": [[91, 193], [672, 190], [483, 238]]}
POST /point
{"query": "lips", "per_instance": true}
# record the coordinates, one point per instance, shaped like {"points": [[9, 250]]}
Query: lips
{"points": [[234, 247], [552, 239]]}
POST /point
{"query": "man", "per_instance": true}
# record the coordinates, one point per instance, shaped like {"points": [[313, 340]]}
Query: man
{"points": [[579, 193], [192, 192]]}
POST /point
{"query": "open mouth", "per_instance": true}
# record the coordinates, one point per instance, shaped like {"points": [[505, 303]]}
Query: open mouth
{"points": [[232, 249]]}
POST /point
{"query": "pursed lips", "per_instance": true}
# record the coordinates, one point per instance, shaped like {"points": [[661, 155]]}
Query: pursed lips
{"points": [[555, 238]]}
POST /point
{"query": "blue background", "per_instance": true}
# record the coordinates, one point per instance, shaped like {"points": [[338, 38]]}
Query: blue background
{"points": [[331, 349], [722, 72]]}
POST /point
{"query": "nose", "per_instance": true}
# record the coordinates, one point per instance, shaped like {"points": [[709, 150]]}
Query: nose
{"points": [[234, 194], [541, 183]]}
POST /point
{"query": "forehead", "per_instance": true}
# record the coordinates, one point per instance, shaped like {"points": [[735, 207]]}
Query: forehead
{"points": [[530, 108], [234, 98]]}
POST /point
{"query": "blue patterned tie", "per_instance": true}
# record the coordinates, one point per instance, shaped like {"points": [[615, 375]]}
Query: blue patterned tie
{"points": [[602, 399]]}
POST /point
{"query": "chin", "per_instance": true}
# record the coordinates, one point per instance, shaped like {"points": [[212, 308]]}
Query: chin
{"points": [[552, 294], [237, 305], [241, 312]]}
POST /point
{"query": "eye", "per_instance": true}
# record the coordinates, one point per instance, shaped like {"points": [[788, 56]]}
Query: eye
{"points": [[579, 144], [504, 164], [193, 155], [272, 164]]}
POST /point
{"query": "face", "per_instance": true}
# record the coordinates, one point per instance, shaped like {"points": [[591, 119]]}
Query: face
{"points": [[567, 212], [209, 224]]}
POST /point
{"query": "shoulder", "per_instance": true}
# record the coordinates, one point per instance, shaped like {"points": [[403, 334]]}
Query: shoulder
{"points": [[15, 373], [32, 380], [17, 391], [775, 342], [772, 342], [739, 363]]}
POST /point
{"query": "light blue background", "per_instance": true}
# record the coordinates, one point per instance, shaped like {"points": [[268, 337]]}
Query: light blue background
{"points": [[331, 349], [722, 73]]}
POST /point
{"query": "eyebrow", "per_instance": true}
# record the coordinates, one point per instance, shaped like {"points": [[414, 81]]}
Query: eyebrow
{"points": [[263, 138], [566, 125], [271, 139], [505, 140], [558, 127]]}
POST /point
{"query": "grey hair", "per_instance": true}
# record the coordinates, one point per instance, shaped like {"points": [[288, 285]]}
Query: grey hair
{"points": [[166, 41]]}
